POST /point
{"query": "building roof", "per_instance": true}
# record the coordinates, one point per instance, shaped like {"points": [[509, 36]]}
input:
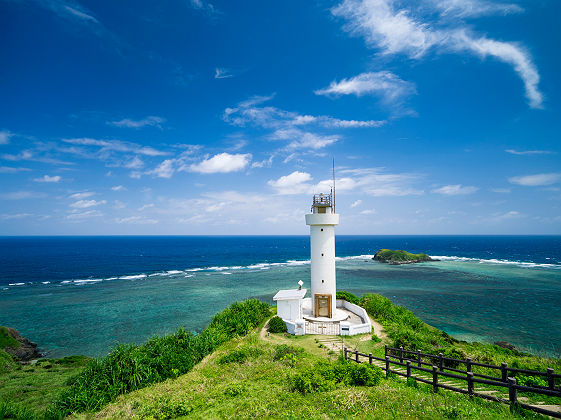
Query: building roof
{"points": [[290, 294]]}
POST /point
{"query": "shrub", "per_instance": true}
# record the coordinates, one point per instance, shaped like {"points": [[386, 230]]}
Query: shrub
{"points": [[276, 325], [526, 380], [324, 376], [349, 297], [375, 338], [240, 355], [284, 349], [130, 367]]}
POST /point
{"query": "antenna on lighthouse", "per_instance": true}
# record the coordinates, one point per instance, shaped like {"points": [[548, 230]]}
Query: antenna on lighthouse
{"points": [[333, 185]]}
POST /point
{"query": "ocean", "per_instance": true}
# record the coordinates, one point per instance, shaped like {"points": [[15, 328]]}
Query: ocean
{"points": [[83, 295]]}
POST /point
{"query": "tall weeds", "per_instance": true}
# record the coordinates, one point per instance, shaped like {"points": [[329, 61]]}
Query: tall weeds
{"points": [[130, 367]]}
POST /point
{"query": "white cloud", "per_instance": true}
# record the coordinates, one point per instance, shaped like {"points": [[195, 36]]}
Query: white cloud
{"points": [[457, 189], [356, 204], [76, 215], [221, 73], [150, 121], [136, 220], [252, 112], [383, 84], [528, 152], [84, 204], [473, 8], [82, 195], [295, 183], [5, 137], [303, 140], [222, 163], [47, 178], [367, 212], [10, 170], [395, 30], [146, 206], [203, 6], [21, 195], [117, 146], [536, 180], [501, 190], [15, 216], [134, 163], [164, 169], [118, 188]]}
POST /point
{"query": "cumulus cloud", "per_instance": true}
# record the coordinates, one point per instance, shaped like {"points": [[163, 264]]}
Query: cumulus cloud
{"points": [[222, 163], [384, 84], [47, 178], [356, 204], [118, 188], [394, 30], [457, 189], [536, 180], [295, 183], [5, 137], [164, 169], [150, 121]]}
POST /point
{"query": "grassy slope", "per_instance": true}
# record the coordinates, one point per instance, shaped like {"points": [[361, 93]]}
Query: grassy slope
{"points": [[36, 386], [260, 387]]}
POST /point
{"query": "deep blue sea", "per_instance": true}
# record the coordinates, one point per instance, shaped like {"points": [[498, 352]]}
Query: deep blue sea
{"points": [[83, 295]]}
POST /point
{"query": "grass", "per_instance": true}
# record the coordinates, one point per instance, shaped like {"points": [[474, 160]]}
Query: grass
{"points": [[30, 388], [262, 386], [6, 340]]}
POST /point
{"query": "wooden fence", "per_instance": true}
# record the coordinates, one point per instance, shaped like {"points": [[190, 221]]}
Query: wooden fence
{"points": [[412, 362]]}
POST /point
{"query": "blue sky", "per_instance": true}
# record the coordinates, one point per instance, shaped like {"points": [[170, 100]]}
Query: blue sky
{"points": [[221, 117]]}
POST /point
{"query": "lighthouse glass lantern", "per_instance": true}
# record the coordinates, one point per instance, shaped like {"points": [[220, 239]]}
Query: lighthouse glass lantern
{"points": [[322, 221]]}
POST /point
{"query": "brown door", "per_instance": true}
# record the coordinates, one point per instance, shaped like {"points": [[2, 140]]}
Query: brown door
{"points": [[323, 306]]}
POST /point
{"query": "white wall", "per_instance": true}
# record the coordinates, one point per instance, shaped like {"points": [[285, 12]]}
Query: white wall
{"points": [[366, 326], [289, 309]]}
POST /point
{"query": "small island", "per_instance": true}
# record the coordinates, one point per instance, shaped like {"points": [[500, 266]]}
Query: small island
{"points": [[400, 257]]}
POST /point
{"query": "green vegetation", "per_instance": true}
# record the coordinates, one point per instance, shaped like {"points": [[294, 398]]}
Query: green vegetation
{"points": [[265, 387], [7, 362], [36, 386], [399, 257], [6, 340], [349, 297], [276, 325], [130, 367]]}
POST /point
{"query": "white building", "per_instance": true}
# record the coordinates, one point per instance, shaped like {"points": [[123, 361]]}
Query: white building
{"points": [[322, 313]]}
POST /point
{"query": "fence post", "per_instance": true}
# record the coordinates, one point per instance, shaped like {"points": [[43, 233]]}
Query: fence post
{"points": [[550, 379], [387, 366], [370, 358], [440, 361], [385, 350], [345, 351], [435, 379], [512, 394], [400, 354], [356, 356], [419, 358], [504, 372], [408, 369], [468, 364], [470, 383]]}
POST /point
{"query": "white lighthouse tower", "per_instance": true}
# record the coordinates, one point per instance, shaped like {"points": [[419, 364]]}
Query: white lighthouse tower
{"points": [[322, 221]]}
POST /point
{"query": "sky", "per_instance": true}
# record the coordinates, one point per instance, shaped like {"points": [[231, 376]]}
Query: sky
{"points": [[199, 117]]}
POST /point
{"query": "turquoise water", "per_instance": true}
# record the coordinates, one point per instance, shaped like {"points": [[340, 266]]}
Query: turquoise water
{"points": [[471, 298]]}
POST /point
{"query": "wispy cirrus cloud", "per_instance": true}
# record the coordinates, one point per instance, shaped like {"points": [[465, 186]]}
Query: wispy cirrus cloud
{"points": [[150, 121], [456, 189], [117, 146], [384, 84], [204, 6], [537, 180], [473, 8], [84, 204], [529, 152], [12, 170], [222, 73], [21, 195], [393, 28]]}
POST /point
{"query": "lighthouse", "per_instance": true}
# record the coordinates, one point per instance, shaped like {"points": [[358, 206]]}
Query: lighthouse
{"points": [[322, 220]]}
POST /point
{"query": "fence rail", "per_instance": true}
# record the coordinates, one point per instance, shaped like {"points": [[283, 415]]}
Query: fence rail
{"points": [[438, 370]]}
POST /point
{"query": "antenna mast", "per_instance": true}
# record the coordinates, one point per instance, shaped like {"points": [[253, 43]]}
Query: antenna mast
{"points": [[333, 185]]}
